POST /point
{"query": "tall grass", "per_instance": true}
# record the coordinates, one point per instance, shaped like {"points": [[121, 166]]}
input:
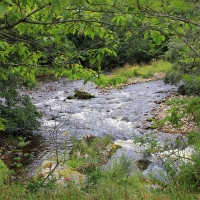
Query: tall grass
{"points": [[144, 70], [109, 186], [116, 183]]}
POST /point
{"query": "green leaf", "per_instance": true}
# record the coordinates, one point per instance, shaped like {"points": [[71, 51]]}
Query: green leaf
{"points": [[3, 8], [55, 2], [4, 77], [156, 36], [119, 19], [186, 77], [163, 38], [2, 126], [24, 2], [146, 35], [32, 76], [179, 30], [9, 1], [30, 3], [80, 2]]}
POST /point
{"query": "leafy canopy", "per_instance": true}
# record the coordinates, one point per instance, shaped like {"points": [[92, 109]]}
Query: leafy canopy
{"points": [[32, 30], [36, 33]]}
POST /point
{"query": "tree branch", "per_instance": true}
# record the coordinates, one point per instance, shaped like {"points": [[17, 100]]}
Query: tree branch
{"points": [[156, 14], [9, 26], [189, 45], [27, 41]]}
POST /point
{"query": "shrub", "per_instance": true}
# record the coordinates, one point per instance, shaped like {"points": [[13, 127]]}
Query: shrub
{"points": [[17, 110], [186, 67]]}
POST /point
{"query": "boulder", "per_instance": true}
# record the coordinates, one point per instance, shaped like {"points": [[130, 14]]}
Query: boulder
{"points": [[62, 173]]}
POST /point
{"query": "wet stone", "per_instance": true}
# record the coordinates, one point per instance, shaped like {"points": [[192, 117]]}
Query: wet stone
{"points": [[145, 126], [158, 102], [125, 119]]}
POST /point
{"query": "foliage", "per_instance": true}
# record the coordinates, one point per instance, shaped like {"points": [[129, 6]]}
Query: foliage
{"points": [[182, 172], [35, 184], [190, 104], [17, 110], [185, 67], [45, 71], [189, 175], [4, 172], [22, 142], [90, 153], [37, 33], [119, 182], [132, 50], [188, 108], [42, 35], [2, 126]]}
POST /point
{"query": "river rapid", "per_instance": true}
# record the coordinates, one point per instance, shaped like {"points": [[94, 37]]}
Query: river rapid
{"points": [[121, 113]]}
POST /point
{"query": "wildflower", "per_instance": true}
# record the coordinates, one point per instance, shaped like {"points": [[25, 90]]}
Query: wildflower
{"points": [[65, 133], [67, 179], [23, 183]]}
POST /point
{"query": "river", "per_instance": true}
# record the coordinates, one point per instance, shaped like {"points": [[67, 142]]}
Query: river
{"points": [[121, 113]]}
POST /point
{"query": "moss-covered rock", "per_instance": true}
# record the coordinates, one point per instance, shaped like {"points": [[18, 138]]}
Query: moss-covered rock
{"points": [[62, 173], [83, 95]]}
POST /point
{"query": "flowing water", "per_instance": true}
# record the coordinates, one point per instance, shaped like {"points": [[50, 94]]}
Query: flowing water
{"points": [[121, 113]]}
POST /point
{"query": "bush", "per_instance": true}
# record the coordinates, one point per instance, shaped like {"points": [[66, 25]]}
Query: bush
{"points": [[186, 67], [17, 110]]}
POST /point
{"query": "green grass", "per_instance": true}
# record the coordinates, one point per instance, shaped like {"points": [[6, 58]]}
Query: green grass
{"points": [[105, 185], [110, 185], [143, 71]]}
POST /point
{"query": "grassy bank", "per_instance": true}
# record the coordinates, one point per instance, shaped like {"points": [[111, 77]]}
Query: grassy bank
{"points": [[101, 186], [121, 181], [143, 71]]}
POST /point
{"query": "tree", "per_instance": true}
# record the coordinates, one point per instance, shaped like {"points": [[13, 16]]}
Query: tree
{"points": [[36, 33]]}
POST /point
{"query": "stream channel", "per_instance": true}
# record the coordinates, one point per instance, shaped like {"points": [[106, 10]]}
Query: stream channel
{"points": [[121, 113]]}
